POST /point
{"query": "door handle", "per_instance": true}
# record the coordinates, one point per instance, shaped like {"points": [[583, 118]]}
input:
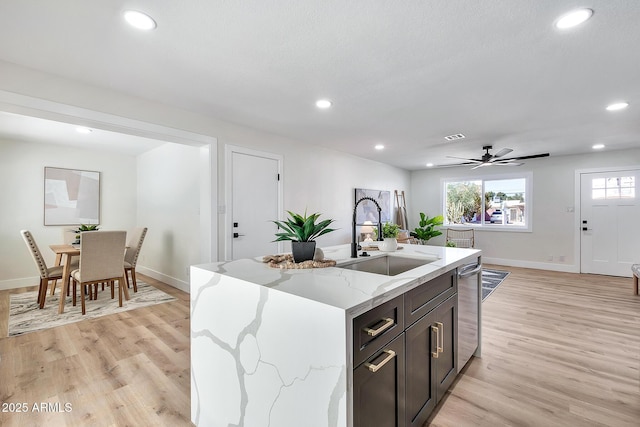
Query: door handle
{"points": [[440, 342], [466, 273], [388, 322], [374, 368], [236, 235], [434, 329]]}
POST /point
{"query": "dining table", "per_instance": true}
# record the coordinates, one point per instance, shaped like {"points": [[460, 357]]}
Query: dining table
{"points": [[64, 253]]}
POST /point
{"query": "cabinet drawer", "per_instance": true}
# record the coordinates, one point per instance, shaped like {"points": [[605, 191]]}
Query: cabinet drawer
{"points": [[376, 328], [424, 298]]}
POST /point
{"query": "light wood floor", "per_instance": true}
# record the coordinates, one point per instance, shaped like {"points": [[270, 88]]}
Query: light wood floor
{"points": [[126, 369], [559, 349]]}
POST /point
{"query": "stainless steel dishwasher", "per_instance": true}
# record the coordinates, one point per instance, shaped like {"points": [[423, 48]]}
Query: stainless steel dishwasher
{"points": [[469, 311]]}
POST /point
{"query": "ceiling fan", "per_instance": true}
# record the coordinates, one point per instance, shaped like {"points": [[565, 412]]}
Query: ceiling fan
{"points": [[489, 159]]}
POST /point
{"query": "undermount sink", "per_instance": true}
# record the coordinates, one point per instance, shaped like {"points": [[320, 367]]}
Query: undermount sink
{"points": [[387, 265]]}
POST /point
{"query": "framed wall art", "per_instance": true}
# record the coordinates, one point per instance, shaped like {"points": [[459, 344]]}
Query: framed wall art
{"points": [[71, 196], [367, 210]]}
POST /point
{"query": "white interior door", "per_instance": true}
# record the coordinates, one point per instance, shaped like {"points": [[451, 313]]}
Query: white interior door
{"points": [[610, 222], [255, 201]]}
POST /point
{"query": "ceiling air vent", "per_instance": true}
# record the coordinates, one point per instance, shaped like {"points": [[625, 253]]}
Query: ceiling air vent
{"points": [[454, 137]]}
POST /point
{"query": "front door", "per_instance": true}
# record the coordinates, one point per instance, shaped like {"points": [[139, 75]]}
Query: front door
{"points": [[254, 203], [609, 222]]}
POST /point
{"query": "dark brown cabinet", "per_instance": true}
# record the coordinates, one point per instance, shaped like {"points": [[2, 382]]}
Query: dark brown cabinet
{"points": [[430, 361], [405, 355], [379, 387]]}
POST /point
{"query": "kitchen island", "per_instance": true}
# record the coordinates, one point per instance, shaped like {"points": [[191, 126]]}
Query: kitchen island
{"points": [[275, 347]]}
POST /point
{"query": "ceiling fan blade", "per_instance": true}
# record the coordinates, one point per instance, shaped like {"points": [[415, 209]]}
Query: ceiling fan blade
{"points": [[534, 156], [481, 165], [464, 158], [502, 152], [508, 163]]}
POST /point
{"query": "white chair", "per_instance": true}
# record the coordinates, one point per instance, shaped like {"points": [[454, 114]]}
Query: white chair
{"points": [[131, 255], [461, 238], [101, 260], [47, 274]]}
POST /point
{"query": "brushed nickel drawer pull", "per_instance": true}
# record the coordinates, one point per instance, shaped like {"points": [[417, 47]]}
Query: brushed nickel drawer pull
{"points": [[434, 329], [388, 322], [390, 355], [440, 337]]}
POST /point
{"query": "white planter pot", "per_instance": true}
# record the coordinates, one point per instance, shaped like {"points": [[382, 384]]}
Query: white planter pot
{"points": [[389, 244]]}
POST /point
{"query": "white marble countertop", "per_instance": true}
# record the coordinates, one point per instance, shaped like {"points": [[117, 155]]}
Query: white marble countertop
{"points": [[352, 291]]}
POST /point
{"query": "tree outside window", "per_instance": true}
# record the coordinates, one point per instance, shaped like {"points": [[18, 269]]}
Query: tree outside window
{"points": [[496, 202]]}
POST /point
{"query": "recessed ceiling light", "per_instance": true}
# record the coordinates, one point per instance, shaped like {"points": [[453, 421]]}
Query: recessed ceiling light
{"points": [[598, 146], [617, 106], [139, 20], [573, 18], [379, 147], [84, 130], [323, 103], [429, 165]]}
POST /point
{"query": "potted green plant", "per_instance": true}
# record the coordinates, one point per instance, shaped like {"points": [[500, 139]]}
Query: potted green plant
{"points": [[427, 228], [301, 230], [84, 227], [390, 233]]}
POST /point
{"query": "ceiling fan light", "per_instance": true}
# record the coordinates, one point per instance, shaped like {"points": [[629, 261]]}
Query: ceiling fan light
{"points": [[573, 18]]}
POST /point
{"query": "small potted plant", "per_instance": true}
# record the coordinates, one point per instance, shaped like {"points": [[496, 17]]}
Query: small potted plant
{"points": [[390, 233], [84, 227], [427, 228], [301, 230]]}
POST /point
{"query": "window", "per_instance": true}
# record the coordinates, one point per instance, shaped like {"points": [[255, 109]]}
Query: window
{"points": [[621, 187], [491, 202]]}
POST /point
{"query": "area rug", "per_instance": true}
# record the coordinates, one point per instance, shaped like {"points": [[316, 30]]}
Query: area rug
{"points": [[25, 316], [491, 279]]}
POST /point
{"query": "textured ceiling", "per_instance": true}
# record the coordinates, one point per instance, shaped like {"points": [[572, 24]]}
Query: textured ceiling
{"points": [[404, 74]]}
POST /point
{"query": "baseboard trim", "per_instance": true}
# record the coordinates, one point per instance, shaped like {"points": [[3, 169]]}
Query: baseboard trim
{"points": [[19, 283], [171, 281], [564, 268]]}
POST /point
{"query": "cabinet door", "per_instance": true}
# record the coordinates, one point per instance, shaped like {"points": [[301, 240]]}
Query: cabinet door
{"points": [[446, 318], [428, 376], [378, 388], [420, 370]]}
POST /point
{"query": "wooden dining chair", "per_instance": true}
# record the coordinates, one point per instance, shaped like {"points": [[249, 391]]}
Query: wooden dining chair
{"points": [[47, 274], [131, 255], [101, 260], [68, 237]]}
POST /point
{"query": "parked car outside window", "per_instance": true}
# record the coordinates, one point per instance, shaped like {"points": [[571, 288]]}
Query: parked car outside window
{"points": [[496, 217]]}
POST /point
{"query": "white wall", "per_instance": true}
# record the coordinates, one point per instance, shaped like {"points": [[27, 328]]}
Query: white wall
{"points": [[554, 229], [321, 180], [169, 180], [318, 179], [22, 194]]}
